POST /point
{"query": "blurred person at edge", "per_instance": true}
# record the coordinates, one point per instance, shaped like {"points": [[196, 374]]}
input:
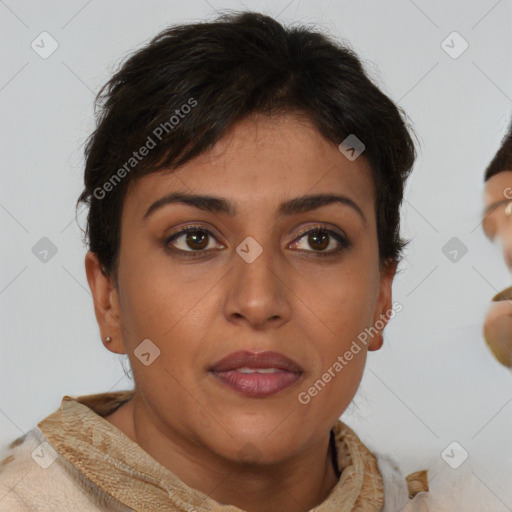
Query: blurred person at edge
{"points": [[497, 226]]}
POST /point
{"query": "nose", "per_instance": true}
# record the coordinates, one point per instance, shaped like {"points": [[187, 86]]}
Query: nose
{"points": [[257, 293]]}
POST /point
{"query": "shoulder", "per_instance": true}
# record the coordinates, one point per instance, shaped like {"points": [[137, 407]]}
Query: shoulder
{"points": [[437, 487], [33, 476], [17, 469], [405, 493]]}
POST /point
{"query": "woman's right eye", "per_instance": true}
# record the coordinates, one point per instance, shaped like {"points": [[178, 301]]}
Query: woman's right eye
{"points": [[191, 241]]}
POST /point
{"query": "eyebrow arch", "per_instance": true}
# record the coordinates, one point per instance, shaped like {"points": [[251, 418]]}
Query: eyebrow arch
{"points": [[216, 204]]}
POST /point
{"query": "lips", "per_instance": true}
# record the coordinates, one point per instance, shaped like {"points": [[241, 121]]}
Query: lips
{"points": [[257, 374], [246, 359]]}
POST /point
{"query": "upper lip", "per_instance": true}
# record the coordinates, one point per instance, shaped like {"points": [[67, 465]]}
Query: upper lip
{"points": [[246, 359]]}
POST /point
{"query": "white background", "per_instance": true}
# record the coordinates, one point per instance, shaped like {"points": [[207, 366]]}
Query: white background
{"points": [[434, 381]]}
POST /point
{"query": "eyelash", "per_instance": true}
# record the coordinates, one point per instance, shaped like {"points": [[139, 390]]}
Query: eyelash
{"points": [[342, 240]]}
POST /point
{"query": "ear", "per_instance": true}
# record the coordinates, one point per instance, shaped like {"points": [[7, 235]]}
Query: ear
{"points": [[383, 307], [106, 304]]}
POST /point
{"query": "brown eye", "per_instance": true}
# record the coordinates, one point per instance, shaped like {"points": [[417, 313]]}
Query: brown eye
{"points": [[196, 240], [190, 241], [319, 239]]}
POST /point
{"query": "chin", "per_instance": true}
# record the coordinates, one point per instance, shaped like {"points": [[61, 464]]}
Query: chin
{"points": [[253, 445]]}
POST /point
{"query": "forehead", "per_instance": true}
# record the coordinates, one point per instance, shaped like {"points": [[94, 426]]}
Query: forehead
{"points": [[259, 158], [498, 187]]}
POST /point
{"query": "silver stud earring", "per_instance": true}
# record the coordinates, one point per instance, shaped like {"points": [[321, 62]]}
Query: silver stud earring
{"points": [[108, 339]]}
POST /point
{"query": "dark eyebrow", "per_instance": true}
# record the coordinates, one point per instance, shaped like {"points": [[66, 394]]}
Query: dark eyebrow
{"points": [[219, 205]]}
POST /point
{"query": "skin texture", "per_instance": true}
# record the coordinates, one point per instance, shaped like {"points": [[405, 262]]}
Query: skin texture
{"points": [[497, 227], [289, 300]]}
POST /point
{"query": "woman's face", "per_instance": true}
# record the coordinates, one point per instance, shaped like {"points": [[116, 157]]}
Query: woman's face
{"points": [[251, 279], [497, 225], [497, 219]]}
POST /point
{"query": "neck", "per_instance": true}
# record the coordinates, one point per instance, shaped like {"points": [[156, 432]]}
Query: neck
{"points": [[294, 485]]}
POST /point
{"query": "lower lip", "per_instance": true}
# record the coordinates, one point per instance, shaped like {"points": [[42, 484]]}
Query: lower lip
{"points": [[258, 384]]}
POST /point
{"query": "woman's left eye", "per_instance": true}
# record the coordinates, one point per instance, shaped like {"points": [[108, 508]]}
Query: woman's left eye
{"points": [[322, 238], [195, 240]]}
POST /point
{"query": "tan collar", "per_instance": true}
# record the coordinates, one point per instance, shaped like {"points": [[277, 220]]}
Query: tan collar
{"points": [[124, 470]]}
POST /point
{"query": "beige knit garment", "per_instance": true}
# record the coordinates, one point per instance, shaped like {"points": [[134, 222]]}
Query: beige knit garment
{"points": [[120, 467]]}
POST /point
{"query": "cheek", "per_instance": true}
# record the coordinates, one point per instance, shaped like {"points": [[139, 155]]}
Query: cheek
{"points": [[329, 392], [156, 306], [157, 293], [503, 240], [342, 299], [172, 305], [339, 333], [498, 331]]}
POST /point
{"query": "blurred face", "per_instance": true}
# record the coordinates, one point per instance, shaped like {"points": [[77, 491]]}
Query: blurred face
{"points": [[267, 242], [497, 225], [497, 222]]}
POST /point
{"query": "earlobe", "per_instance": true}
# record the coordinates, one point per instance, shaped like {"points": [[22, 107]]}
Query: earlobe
{"points": [[376, 342], [384, 304], [106, 303]]}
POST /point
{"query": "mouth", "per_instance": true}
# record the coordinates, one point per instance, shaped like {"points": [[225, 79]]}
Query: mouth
{"points": [[505, 294], [257, 374]]}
